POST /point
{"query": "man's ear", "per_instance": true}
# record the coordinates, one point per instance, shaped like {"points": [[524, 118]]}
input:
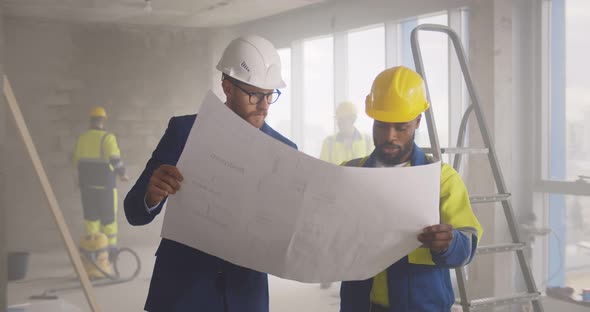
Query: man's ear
{"points": [[418, 121], [227, 87]]}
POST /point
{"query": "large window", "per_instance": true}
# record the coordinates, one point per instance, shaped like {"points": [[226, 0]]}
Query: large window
{"points": [[569, 257], [318, 93], [565, 151], [366, 59], [577, 242], [280, 112], [577, 90], [568, 116], [435, 54], [342, 66]]}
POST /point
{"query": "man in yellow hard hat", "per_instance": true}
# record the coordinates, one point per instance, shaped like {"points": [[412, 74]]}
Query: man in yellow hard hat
{"points": [[98, 160], [421, 280], [348, 143]]}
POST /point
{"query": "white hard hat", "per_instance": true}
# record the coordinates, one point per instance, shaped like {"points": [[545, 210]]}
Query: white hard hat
{"points": [[252, 60]]}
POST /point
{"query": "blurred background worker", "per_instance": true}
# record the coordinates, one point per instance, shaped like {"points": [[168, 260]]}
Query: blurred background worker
{"points": [[348, 143], [98, 160]]}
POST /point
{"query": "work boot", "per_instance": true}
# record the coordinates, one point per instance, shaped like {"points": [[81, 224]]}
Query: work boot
{"points": [[94, 252]]}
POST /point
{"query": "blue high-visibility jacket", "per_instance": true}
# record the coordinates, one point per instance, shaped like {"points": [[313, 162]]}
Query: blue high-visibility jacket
{"points": [[420, 282]]}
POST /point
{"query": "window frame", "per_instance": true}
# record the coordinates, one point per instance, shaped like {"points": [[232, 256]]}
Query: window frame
{"points": [[396, 33], [552, 62]]}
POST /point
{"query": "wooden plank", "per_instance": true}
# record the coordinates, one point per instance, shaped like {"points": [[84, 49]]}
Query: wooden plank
{"points": [[3, 230], [53, 204]]}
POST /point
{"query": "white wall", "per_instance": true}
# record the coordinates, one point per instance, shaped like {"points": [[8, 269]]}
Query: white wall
{"points": [[142, 76]]}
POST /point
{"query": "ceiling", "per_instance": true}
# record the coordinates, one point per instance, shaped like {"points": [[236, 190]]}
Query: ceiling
{"points": [[186, 13]]}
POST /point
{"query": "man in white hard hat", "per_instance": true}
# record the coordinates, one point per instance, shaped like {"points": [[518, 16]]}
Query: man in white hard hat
{"points": [[186, 279]]}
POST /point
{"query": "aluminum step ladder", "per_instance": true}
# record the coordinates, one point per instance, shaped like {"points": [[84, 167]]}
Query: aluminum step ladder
{"points": [[517, 245]]}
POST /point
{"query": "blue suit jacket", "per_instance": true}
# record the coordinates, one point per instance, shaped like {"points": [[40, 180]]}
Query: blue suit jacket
{"points": [[186, 279]]}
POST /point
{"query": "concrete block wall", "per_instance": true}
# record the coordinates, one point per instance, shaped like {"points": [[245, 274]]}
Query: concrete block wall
{"points": [[141, 76]]}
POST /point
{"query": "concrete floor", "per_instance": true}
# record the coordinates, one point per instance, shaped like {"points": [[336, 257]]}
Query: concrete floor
{"points": [[53, 271]]}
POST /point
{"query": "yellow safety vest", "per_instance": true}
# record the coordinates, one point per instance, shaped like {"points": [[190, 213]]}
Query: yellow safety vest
{"points": [[94, 150], [336, 151]]}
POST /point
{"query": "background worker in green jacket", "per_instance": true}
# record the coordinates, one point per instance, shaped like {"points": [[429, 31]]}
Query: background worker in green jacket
{"points": [[98, 160], [419, 282], [348, 143]]}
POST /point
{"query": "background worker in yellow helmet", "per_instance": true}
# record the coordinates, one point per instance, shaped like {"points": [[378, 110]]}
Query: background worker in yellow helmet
{"points": [[419, 282], [98, 160], [348, 143]]}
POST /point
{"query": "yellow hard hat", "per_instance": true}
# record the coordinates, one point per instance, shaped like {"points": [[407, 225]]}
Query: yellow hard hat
{"points": [[98, 111], [346, 108], [397, 95]]}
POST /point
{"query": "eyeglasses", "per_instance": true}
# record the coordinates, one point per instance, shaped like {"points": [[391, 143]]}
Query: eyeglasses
{"points": [[257, 97]]}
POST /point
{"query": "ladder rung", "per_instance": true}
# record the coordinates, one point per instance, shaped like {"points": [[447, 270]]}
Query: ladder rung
{"points": [[500, 301], [478, 199], [496, 248], [457, 150]]}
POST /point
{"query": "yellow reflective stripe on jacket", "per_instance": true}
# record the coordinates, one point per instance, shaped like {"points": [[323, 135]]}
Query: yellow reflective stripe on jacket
{"points": [[455, 209], [379, 291]]}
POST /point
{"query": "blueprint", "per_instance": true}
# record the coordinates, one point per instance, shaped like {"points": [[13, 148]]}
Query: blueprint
{"points": [[258, 203]]}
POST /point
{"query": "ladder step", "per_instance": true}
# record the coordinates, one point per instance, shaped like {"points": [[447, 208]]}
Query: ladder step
{"points": [[478, 199], [457, 150], [484, 303], [496, 248]]}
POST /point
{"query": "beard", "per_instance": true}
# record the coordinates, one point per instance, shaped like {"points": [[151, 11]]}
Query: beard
{"points": [[252, 117], [389, 160], [255, 118]]}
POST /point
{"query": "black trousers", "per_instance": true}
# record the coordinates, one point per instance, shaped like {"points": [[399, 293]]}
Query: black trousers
{"points": [[99, 204]]}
